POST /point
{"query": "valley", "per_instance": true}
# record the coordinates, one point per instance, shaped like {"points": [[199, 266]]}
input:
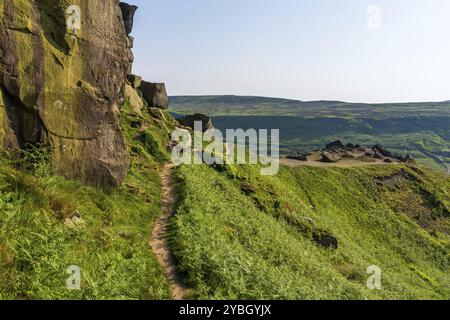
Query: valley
{"points": [[421, 129]]}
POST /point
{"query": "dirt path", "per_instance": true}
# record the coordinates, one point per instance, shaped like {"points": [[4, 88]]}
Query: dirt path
{"points": [[159, 241]]}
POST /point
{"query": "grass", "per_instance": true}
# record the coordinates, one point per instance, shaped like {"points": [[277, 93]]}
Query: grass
{"points": [[255, 242], [49, 223], [236, 234]]}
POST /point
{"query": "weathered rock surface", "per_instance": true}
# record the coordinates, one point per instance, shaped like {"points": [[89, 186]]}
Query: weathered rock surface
{"points": [[62, 78], [328, 157], [136, 102], [128, 12], [134, 80], [155, 94], [338, 144], [189, 121]]}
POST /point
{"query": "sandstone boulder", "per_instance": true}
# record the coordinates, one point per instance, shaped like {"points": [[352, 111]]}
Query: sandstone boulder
{"points": [[62, 78], [155, 94], [328, 157], [300, 156], [338, 144], [134, 80]]}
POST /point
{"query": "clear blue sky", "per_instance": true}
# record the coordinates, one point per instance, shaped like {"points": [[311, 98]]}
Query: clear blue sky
{"points": [[300, 49]]}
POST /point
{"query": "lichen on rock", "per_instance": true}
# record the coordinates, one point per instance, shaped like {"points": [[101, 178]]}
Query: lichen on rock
{"points": [[65, 87]]}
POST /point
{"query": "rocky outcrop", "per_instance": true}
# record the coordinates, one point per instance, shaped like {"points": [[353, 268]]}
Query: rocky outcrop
{"points": [[155, 94], [62, 79], [134, 80], [189, 121], [128, 12]]}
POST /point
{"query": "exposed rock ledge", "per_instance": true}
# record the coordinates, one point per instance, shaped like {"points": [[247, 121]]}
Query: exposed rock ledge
{"points": [[63, 85]]}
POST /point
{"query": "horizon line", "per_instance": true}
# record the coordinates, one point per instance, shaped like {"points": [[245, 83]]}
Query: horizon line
{"points": [[303, 101]]}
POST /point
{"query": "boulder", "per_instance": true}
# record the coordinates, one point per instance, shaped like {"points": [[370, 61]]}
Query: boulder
{"points": [[338, 144], [128, 12], [378, 155], [329, 157], [348, 155], [351, 146], [380, 149], [326, 240], [134, 80], [189, 121], [62, 83], [155, 94], [298, 156]]}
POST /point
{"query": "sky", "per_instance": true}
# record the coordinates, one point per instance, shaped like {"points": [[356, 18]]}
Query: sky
{"points": [[347, 50]]}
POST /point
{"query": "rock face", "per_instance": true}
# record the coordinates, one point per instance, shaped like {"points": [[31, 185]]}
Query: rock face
{"points": [[155, 94], [189, 121], [62, 78], [128, 12]]}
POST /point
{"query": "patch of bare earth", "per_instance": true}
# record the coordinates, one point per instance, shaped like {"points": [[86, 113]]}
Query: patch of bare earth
{"points": [[159, 241]]}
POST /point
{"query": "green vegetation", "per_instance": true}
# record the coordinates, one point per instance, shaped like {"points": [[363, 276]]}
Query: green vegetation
{"points": [[262, 106], [241, 235], [236, 234], [421, 129], [49, 223]]}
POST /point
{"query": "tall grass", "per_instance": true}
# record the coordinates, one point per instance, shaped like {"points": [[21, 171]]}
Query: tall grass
{"points": [[48, 224], [240, 242]]}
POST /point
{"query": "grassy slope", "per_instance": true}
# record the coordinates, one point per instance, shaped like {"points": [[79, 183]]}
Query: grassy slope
{"points": [[228, 243], [41, 233], [257, 244]]}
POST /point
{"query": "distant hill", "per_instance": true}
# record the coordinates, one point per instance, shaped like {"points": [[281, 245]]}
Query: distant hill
{"points": [[422, 129], [248, 105]]}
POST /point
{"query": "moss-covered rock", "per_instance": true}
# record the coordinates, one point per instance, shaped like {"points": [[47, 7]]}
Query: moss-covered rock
{"points": [[62, 75]]}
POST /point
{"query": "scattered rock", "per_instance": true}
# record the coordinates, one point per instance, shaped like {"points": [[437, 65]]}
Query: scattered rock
{"points": [[388, 161], [348, 155], [380, 149], [189, 121], [378, 156], [369, 153], [155, 94], [338, 144], [329, 157], [326, 240], [298, 156]]}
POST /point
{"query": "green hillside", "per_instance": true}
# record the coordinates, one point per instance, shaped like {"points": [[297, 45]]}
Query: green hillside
{"points": [[235, 234], [49, 223], [260, 241]]}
